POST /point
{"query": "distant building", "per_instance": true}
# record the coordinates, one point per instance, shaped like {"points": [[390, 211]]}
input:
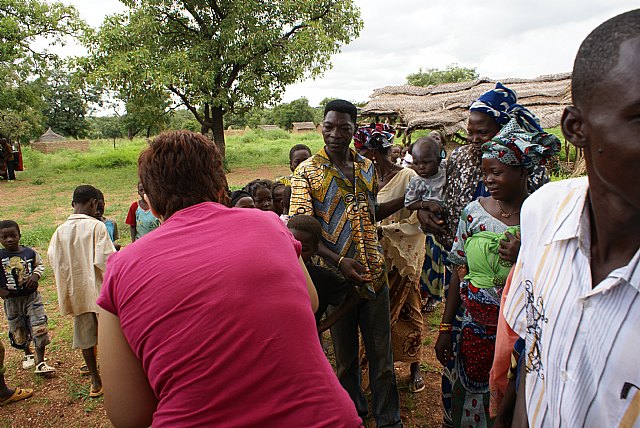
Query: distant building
{"points": [[301, 127]]}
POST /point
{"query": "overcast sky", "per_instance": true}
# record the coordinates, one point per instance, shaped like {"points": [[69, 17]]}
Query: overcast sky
{"points": [[500, 38]]}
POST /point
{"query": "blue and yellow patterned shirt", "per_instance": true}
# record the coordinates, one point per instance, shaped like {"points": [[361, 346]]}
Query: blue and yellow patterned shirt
{"points": [[345, 211]]}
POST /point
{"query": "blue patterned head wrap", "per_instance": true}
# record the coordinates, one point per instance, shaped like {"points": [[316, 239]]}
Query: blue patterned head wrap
{"points": [[517, 147], [501, 104], [374, 137]]}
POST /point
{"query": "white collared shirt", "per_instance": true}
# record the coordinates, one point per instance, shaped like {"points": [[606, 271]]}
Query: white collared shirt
{"points": [[78, 253], [582, 342]]}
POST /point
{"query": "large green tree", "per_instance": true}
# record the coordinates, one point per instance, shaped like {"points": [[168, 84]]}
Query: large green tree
{"points": [[433, 76], [220, 56], [23, 64], [66, 99], [296, 111]]}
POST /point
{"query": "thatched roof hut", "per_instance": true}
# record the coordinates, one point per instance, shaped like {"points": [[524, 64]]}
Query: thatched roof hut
{"points": [[299, 127], [50, 137], [50, 142], [447, 106]]}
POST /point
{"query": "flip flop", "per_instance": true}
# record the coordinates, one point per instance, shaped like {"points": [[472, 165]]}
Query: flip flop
{"points": [[417, 386], [43, 369], [28, 361], [95, 394], [18, 394], [84, 370]]}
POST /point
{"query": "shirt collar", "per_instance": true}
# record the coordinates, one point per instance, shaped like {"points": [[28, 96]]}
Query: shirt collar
{"points": [[569, 210], [80, 216]]}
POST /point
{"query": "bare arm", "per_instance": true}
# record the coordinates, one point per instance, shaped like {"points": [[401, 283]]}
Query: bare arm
{"points": [[444, 343], [132, 229], [385, 209], [313, 294], [128, 397], [350, 301]]}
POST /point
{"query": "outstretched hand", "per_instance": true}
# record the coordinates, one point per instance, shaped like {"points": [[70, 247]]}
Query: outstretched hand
{"points": [[510, 247]]}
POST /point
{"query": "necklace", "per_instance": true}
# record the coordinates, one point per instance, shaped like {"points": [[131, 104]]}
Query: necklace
{"points": [[504, 214]]}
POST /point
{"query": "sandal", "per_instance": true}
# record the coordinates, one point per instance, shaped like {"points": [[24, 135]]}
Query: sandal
{"points": [[95, 394], [84, 370], [417, 385], [28, 361], [18, 394], [43, 368]]}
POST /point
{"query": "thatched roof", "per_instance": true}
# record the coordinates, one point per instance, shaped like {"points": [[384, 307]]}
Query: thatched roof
{"points": [[50, 137], [446, 106], [303, 126]]}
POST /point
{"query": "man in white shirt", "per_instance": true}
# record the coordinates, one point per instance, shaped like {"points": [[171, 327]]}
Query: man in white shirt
{"points": [[576, 295]]}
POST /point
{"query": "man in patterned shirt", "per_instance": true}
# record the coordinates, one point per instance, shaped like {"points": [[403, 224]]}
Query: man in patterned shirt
{"points": [[576, 284], [339, 187]]}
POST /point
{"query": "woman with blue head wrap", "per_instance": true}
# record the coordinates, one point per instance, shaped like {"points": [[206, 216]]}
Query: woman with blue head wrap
{"points": [[494, 112], [485, 247]]}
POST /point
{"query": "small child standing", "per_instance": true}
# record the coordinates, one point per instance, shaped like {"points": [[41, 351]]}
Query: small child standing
{"points": [[78, 254], [140, 218], [21, 270], [297, 154], [112, 226], [331, 287]]}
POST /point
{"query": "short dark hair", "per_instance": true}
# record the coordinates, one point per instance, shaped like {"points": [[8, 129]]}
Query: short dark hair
{"points": [[298, 147], [259, 183], [306, 223], [85, 193], [429, 142], [180, 169], [8, 224], [236, 195], [599, 53], [342, 106]]}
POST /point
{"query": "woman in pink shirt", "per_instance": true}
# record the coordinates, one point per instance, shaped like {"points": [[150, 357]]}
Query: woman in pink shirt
{"points": [[209, 320]]}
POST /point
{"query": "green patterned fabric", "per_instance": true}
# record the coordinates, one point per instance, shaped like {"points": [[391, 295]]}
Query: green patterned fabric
{"points": [[486, 268]]}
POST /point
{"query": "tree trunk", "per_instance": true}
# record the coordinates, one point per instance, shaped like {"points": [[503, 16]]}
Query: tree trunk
{"points": [[218, 129]]}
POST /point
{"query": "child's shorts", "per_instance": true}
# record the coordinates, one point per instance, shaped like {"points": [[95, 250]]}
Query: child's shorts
{"points": [[27, 320], [85, 330]]}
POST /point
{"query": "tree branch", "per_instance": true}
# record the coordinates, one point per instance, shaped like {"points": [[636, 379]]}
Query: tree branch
{"points": [[186, 103]]}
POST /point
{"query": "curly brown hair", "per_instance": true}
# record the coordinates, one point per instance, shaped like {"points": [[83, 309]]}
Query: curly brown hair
{"points": [[180, 169]]}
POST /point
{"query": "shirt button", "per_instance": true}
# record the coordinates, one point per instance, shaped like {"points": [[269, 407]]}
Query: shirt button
{"points": [[564, 375], [587, 303]]}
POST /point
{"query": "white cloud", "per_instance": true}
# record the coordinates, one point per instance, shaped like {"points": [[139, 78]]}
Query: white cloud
{"points": [[500, 38]]}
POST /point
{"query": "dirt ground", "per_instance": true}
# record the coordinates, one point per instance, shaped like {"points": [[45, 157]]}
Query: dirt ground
{"points": [[62, 401]]}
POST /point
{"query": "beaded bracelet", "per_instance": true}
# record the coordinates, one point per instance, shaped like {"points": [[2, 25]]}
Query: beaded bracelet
{"points": [[445, 328]]}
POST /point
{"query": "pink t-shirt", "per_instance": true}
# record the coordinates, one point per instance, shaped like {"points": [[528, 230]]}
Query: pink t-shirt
{"points": [[215, 306]]}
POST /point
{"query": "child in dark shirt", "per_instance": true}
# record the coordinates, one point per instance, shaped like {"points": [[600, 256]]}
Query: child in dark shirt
{"points": [[332, 288], [21, 270]]}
